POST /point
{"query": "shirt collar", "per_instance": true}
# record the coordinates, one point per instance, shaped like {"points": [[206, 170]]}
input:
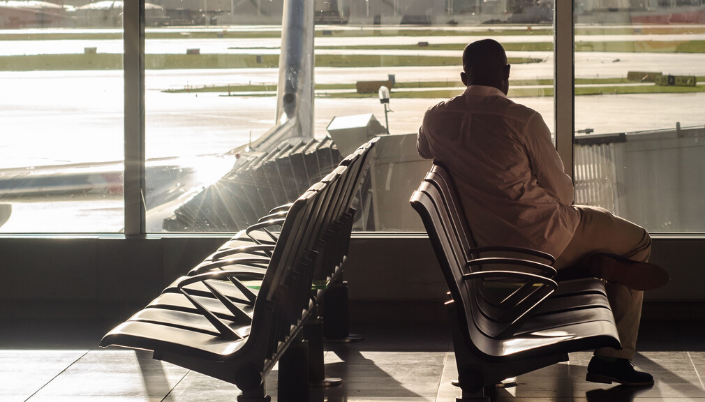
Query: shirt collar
{"points": [[481, 90]]}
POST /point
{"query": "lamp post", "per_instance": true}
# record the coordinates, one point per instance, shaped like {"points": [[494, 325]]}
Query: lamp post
{"points": [[384, 100]]}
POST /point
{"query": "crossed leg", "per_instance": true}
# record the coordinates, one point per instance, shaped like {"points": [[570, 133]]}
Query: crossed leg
{"points": [[601, 232]]}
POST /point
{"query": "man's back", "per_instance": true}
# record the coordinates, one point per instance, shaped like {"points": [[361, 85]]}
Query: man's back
{"points": [[508, 173]]}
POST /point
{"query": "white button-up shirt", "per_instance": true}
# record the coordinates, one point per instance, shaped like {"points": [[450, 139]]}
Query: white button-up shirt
{"points": [[508, 174]]}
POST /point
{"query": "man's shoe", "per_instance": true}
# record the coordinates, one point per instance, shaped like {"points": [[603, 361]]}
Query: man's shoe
{"points": [[621, 371], [632, 274]]}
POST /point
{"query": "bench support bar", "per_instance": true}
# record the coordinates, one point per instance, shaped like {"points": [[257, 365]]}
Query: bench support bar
{"points": [[293, 372], [335, 312], [258, 395], [313, 331]]}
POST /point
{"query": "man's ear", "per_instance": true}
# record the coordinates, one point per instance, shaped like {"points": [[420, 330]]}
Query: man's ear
{"points": [[464, 78], [506, 71]]}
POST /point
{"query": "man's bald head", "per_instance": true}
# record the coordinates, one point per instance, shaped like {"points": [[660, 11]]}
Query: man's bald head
{"points": [[485, 63]]}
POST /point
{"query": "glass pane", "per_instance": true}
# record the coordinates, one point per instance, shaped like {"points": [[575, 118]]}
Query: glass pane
{"points": [[61, 114], [640, 75], [211, 89]]}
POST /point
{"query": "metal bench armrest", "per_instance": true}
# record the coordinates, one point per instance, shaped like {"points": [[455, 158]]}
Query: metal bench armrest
{"points": [[281, 208], [272, 216], [548, 270], [263, 227], [513, 275], [519, 250]]}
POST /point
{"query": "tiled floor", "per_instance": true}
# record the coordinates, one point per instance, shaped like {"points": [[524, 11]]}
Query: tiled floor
{"points": [[57, 361]]}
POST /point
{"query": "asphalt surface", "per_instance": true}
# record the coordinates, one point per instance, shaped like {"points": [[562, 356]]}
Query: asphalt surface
{"points": [[271, 45], [66, 117]]}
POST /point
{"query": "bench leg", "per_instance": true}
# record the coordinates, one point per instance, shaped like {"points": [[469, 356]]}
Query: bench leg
{"points": [[478, 396], [313, 331], [258, 395], [335, 313], [293, 373]]}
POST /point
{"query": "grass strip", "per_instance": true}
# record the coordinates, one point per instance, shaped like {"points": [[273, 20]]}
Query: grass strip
{"points": [[252, 88], [236, 88], [213, 61], [693, 46], [275, 32], [521, 46], [513, 92], [533, 92], [441, 93], [513, 83]]}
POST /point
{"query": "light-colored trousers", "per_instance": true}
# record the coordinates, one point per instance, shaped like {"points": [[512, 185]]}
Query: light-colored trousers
{"points": [[601, 232]]}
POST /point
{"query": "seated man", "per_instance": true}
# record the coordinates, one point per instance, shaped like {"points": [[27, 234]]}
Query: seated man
{"points": [[508, 173]]}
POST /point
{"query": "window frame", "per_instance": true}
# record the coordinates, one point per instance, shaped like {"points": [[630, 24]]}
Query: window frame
{"points": [[134, 183]]}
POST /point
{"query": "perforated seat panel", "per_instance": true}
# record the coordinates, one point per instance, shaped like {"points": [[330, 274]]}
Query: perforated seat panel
{"points": [[180, 319], [179, 302], [151, 336]]}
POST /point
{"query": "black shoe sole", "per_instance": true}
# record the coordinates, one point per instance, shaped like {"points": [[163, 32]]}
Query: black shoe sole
{"points": [[603, 379]]}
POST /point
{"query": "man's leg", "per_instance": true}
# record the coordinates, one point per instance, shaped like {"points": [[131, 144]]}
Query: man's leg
{"points": [[601, 232]]}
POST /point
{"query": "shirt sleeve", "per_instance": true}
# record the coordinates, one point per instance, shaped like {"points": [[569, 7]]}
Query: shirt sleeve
{"points": [[546, 164], [422, 144]]}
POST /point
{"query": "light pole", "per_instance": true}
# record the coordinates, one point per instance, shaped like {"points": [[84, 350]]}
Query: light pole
{"points": [[205, 12], [384, 100]]}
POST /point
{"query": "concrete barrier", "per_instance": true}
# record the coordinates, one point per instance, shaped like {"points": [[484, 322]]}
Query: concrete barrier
{"points": [[643, 76], [372, 87]]}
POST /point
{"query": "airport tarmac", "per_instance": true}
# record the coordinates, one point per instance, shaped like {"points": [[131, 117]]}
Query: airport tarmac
{"points": [[66, 113], [67, 117], [271, 45]]}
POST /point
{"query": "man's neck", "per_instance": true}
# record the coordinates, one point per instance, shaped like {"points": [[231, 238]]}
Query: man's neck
{"points": [[487, 84], [484, 90]]}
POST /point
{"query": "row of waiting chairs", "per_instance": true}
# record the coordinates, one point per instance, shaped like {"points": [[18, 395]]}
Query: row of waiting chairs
{"points": [[233, 316], [508, 315]]}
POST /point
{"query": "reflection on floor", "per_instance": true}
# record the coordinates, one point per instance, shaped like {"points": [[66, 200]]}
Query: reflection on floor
{"points": [[58, 361]]}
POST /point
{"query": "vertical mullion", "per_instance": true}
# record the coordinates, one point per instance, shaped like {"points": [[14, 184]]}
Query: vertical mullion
{"points": [[133, 69], [563, 84]]}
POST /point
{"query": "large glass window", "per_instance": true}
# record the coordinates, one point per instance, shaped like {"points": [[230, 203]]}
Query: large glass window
{"points": [[640, 96], [211, 85], [61, 120], [211, 90]]}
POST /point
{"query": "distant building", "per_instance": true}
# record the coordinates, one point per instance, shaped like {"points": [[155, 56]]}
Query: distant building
{"points": [[109, 14], [16, 14]]}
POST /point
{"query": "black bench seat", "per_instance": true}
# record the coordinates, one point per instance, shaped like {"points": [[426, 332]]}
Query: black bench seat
{"points": [[195, 344], [508, 315], [282, 304], [192, 321], [236, 314]]}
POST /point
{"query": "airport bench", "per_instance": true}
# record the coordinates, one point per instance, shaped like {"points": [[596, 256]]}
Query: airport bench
{"points": [[508, 315], [264, 231], [237, 314], [258, 239]]}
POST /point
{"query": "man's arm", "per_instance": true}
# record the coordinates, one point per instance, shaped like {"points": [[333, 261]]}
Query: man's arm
{"points": [[546, 164], [422, 144]]}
